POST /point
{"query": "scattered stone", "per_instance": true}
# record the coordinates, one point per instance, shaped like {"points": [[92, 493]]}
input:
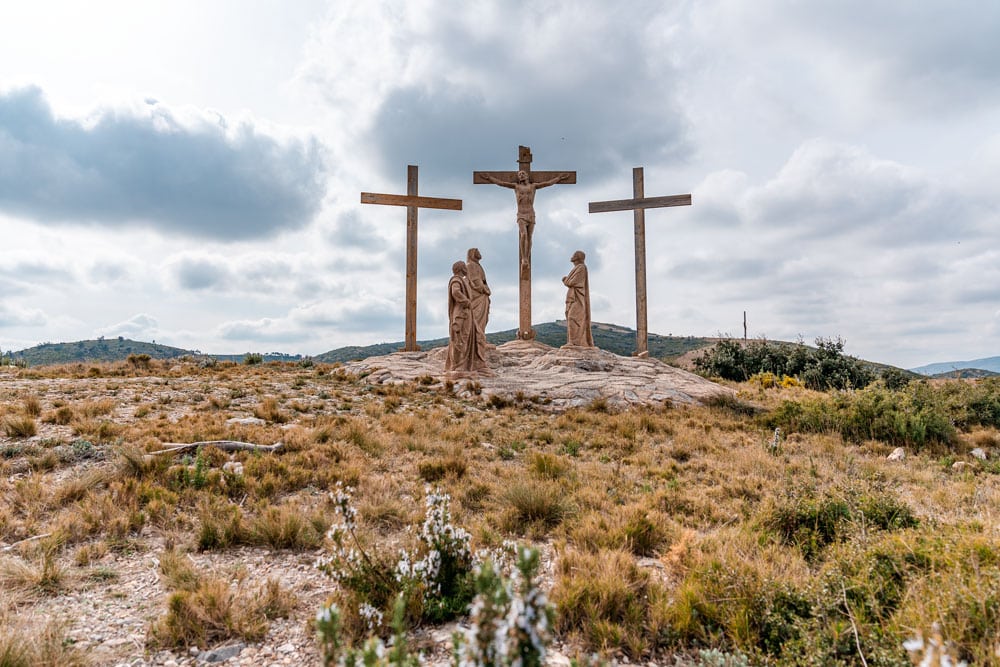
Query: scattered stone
{"points": [[898, 454], [962, 466], [557, 660], [247, 421], [979, 453], [286, 648], [222, 654], [234, 467], [651, 563]]}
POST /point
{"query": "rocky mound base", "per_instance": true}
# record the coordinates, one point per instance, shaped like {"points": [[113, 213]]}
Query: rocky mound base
{"points": [[554, 378]]}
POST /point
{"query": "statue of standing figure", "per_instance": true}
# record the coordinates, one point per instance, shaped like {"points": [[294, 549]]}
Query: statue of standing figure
{"points": [[480, 292], [578, 303], [465, 355], [524, 192]]}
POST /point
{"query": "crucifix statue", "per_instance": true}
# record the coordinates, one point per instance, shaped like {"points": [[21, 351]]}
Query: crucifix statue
{"points": [[524, 183], [638, 205], [412, 203]]}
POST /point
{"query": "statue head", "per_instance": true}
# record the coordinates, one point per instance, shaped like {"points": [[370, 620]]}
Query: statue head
{"points": [[578, 257], [473, 255], [522, 176], [458, 268]]}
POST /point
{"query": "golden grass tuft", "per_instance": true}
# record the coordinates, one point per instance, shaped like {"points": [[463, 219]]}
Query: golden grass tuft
{"points": [[19, 426], [32, 643]]}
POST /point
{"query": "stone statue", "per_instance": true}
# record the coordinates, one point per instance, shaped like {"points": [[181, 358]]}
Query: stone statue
{"points": [[524, 191], [480, 293], [578, 303], [465, 356]]}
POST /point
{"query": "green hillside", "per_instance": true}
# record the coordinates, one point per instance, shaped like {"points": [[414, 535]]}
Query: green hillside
{"points": [[610, 337], [965, 374], [118, 349], [102, 349]]}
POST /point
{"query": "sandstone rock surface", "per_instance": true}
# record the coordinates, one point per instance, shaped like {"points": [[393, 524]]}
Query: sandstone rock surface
{"points": [[554, 378]]}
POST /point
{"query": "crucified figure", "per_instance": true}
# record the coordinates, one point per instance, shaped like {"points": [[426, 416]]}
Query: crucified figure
{"points": [[524, 191]]}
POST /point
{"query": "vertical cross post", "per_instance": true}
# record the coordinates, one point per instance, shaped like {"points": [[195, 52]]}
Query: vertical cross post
{"points": [[413, 203], [525, 197], [638, 204]]}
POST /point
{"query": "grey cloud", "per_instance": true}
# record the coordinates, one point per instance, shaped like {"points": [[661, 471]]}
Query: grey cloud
{"points": [[34, 271], [555, 239], [939, 56], [203, 179], [373, 315], [353, 232], [265, 330], [107, 271], [12, 315], [199, 273], [571, 104]]}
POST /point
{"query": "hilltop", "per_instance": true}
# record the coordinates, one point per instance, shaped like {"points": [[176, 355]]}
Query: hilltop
{"points": [[119, 349], [610, 337], [666, 533]]}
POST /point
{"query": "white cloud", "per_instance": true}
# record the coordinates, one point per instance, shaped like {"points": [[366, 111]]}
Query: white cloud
{"points": [[138, 327]]}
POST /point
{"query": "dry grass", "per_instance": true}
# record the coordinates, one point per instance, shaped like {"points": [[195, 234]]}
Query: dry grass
{"points": [[19, 426], [25, 643], [672, 528]]}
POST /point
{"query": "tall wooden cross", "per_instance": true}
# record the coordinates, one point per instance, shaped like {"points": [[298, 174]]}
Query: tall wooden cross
{"points": [[412, 203], [524, 190], [638, 205]]}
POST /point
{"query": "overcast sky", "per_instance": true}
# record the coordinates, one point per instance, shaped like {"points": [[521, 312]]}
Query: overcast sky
{"points": [[189, 172]]}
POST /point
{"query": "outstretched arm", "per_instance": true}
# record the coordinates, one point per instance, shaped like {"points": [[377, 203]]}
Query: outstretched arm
{"points": [[497, 181], [552, 181]]}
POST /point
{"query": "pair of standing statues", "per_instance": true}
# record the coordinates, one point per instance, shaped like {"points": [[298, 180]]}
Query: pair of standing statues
{"points": [[469, 311]]}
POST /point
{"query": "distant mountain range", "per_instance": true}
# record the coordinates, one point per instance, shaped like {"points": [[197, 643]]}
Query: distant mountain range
{"points": [[950, 368], [611, 337]]}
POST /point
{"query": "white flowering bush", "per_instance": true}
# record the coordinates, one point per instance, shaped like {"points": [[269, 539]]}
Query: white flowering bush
{"points": [[364, 577], [373, 652], [443, 570], [510, 620], [934, 652], [436, 581]]}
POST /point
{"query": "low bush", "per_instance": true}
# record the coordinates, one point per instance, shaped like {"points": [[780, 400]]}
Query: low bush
{"points": [[907, 417], [822, 367]]}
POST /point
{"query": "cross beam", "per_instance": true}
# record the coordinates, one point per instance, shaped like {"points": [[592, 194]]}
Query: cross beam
{"points": [[413, 203], [638, 205], [525, 196]]}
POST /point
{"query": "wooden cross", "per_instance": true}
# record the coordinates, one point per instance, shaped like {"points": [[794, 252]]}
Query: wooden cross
{"points": [[412, 203], [637, 205], [526, 222]]}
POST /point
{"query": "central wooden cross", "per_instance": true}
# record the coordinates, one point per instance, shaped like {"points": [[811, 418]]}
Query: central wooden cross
{"points": [[637, 205], [412, 203], [524, 190]]}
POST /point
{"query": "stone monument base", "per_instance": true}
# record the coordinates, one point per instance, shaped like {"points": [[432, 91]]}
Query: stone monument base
{"points": [[554, 379]]}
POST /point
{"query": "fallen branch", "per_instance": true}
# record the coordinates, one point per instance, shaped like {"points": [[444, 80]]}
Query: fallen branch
{"points": [[854, 626], [10, 547], [224, 445]]}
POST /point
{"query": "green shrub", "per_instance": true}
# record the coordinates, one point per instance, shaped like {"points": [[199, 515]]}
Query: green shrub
{"points": [[253, 358], [823, 367], [911, 417]]}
